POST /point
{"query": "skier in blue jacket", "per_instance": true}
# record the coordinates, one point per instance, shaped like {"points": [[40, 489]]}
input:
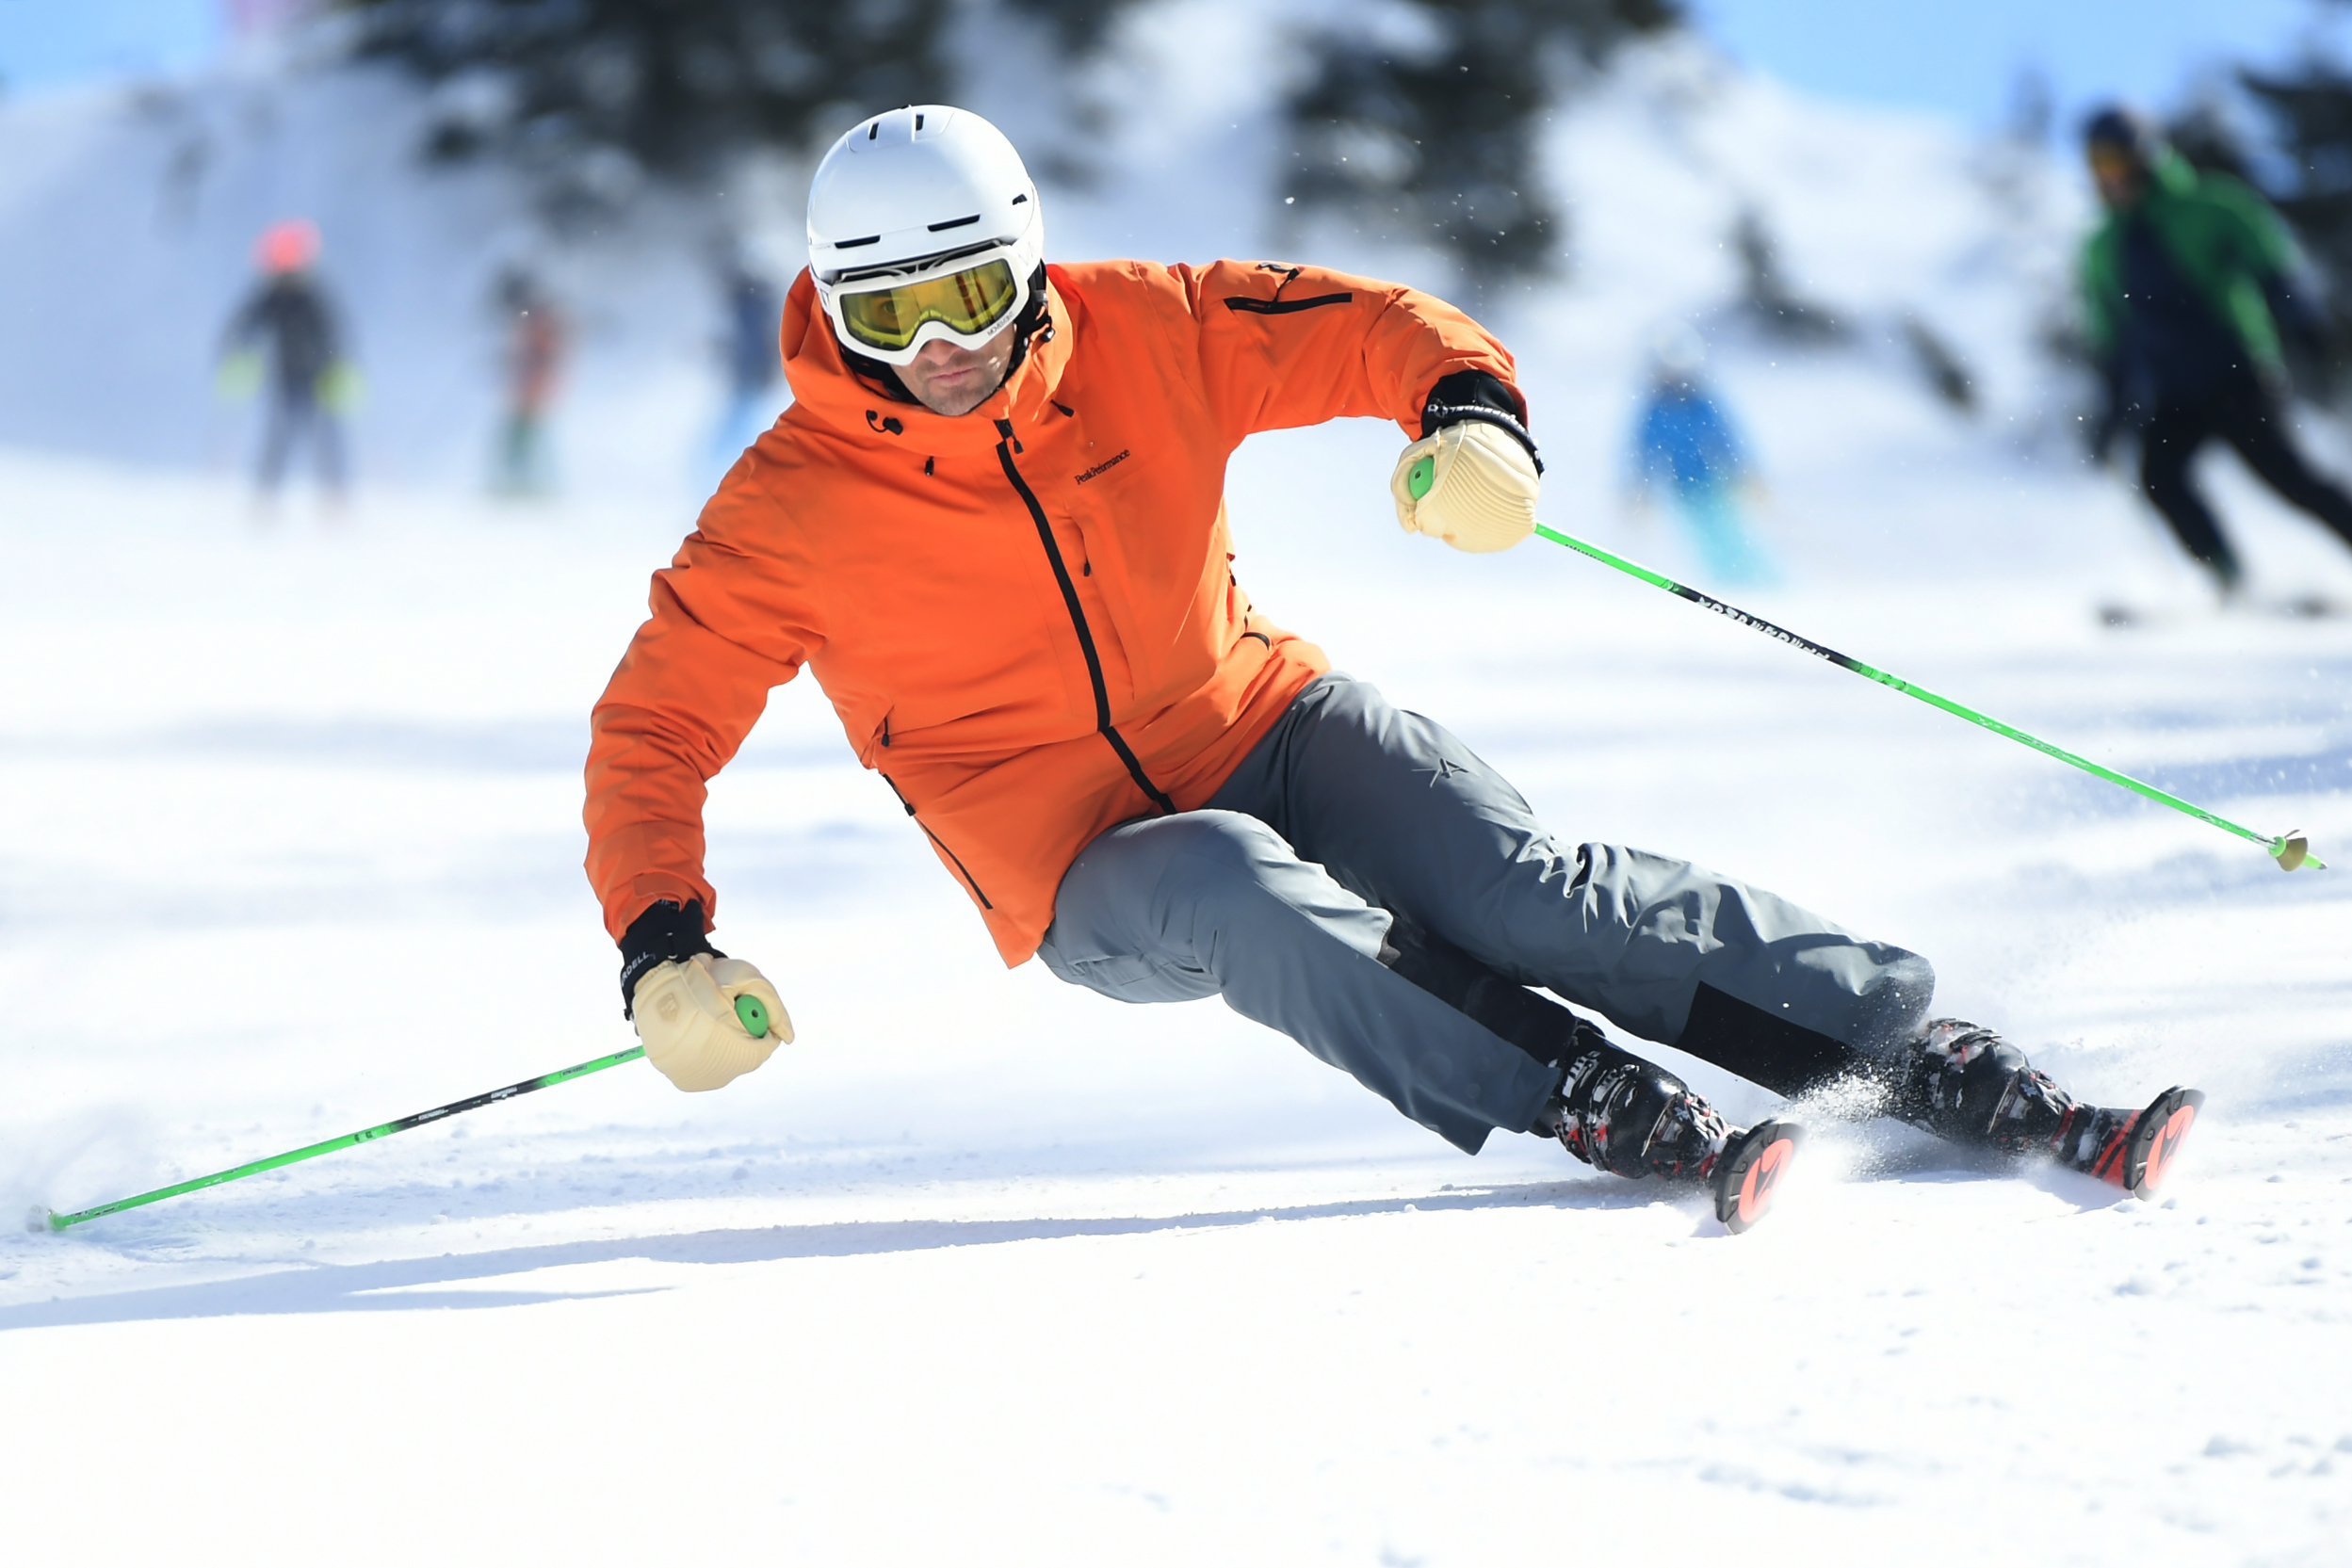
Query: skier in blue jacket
{"points": [[1684, 445]]}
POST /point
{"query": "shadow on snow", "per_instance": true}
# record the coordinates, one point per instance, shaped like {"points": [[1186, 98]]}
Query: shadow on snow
{"points": [[353, 1288]]}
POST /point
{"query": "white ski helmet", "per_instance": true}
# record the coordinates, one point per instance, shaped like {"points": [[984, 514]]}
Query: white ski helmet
{"points": [[923, 225]]}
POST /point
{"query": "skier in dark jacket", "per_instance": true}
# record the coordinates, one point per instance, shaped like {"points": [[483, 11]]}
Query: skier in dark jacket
{"points": [[288, 321], [2187, 285], [747, 355]]}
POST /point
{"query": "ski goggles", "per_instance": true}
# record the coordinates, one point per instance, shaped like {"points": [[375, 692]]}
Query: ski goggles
{"points": [[967, 304]]}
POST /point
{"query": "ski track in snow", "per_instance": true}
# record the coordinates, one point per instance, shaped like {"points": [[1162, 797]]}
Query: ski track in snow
{"points": [[987, 1267]]}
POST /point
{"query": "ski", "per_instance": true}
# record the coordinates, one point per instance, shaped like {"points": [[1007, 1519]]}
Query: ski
{"points": [[2139, 1154], [2121, 616], [1747, 1176]]}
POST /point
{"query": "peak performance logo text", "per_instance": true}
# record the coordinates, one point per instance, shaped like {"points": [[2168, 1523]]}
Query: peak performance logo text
{"points": [[1105, 466]]}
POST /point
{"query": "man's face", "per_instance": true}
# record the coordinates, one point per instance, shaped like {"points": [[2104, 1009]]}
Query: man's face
{"points": [[952, 380], [2116, 172]]}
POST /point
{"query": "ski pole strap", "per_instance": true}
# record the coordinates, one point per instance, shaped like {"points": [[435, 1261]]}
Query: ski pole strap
{"points": [[2290, 850], [59, 1221]]}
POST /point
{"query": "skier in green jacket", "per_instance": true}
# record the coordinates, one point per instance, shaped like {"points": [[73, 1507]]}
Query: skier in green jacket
{"points": [[2187, 285]]}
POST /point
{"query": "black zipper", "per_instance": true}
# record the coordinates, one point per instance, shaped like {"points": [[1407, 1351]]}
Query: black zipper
{"points": [[1078, 618], [954, 859], [959, 864], [1283, 307]]}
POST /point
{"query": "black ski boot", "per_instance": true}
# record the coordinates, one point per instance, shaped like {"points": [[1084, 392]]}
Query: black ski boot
{"points": [[1612, 1109], [1633, 1117], [1966, 1083]]}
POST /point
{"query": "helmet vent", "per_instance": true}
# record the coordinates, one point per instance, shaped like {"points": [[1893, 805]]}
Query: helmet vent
{"points": [[952, 223], [1018, 200], [873, 131], [918, 122], [854, 244]]}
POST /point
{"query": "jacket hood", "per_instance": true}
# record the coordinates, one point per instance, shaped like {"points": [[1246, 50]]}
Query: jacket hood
{"points": [[827, 392], [2172, 174], [2167, 177]]}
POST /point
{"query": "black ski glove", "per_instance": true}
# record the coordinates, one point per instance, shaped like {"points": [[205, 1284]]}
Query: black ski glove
{"points": [[662, 934]]}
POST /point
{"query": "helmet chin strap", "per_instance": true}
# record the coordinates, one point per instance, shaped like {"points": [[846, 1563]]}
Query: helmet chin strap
{"points": [[1036, 317], [878, 374]]}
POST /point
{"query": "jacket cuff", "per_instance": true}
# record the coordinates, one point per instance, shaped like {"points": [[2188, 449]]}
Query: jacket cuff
{"points": [[664, 933], [1478, 396]]}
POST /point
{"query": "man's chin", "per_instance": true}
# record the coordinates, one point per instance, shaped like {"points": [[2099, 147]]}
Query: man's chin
{"points": [[952, 405]]}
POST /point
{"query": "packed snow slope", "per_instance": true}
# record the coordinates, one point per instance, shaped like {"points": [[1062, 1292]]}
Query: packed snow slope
{"points": [[987, 1267]]}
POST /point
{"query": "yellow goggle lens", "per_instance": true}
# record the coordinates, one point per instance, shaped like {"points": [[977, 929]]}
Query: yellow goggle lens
{"points": [[967, 301]]}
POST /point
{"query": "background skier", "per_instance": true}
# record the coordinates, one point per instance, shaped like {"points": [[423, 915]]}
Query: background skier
{"points": [[537, 336], [992, 523], [2187, 284], [1685, 448], [285, 338], [747, 355]]}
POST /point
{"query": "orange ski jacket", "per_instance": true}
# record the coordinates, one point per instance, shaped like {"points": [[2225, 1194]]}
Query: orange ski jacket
{"points": [[1026, 616]]}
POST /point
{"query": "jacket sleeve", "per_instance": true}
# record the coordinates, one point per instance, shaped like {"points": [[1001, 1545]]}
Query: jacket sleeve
{"points": [[246, 325], [2265, 245], [1282, 346], [725, 630], [2096, 274]]}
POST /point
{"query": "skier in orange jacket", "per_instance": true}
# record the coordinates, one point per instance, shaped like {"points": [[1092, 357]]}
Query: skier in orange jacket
{"points": [[992, 525]]}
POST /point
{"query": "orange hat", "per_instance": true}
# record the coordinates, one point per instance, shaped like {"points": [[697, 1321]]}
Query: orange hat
{"points": [[287, 246]]}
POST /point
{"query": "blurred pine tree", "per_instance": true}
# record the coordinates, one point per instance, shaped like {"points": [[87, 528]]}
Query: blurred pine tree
{"points": [[2311, 116], [1425, 128], [594, 96], [1080, 27], [2305, 171]]}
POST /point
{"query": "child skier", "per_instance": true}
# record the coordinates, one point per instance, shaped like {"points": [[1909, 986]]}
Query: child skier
{"points": [[992, 522], [289, 322]]}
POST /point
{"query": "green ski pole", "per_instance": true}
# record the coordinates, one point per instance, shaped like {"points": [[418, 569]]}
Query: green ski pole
{"points": [[748, 1009], [2291, 849]]}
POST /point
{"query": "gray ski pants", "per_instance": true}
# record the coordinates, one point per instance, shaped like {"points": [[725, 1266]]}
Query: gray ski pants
{"points": [[1277, 895]]}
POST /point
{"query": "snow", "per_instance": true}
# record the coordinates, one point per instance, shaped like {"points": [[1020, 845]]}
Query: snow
{"points": [[989, 1269]]}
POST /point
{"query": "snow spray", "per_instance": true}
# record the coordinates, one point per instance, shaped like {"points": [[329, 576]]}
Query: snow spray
{"points": [[105, 1146]]}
